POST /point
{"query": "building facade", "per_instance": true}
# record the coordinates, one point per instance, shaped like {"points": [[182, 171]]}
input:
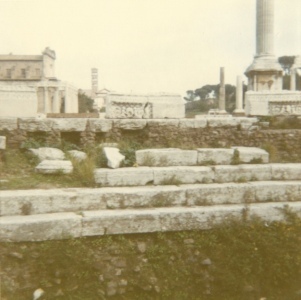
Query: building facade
{"points": [[34, 74]]}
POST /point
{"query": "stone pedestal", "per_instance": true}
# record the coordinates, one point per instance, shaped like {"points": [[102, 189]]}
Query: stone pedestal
{"points": [[273, 103], [265, 73]]}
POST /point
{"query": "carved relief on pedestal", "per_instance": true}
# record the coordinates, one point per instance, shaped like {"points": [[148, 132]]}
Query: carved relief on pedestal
{"points": [[285, 108], [128, 110]]}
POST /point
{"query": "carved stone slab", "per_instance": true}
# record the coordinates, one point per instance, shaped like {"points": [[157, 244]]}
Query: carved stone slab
{"points": [[133, 106], [273, 103]]}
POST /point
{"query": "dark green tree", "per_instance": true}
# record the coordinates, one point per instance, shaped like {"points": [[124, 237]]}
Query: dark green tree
{"points": [[85, 103], [206, 90], [204, 93], [286, 63], [190, 96]]}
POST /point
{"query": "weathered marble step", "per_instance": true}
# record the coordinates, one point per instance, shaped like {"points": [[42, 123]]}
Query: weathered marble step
{"points": [[34, 202], [97, 223], [191, 174], [177, 157]]}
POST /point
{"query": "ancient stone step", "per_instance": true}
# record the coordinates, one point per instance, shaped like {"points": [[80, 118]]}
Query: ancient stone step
{"points": [[54, 167], [34, 202], [104, 222], [40, 227], [201, 156], [192, 174], [166, 157], [249, 154]]}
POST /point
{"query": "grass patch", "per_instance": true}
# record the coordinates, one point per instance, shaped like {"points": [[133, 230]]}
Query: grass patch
{"points": [[18, 172], [236, 260]]}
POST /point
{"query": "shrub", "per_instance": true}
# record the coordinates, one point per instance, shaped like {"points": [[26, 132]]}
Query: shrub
{"points": [[128, 149], [84, 170]]}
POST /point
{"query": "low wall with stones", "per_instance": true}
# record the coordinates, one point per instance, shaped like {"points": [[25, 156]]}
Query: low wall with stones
{"points": [[213, 132]]}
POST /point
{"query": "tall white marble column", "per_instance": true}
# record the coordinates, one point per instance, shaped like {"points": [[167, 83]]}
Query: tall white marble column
{"points": [[293, 79], [239, 97], [56, 104], [222, 92], [265, 27], [66, 99]]}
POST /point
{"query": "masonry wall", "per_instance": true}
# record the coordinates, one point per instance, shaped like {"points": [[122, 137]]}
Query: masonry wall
{"points": [[184, 133]]}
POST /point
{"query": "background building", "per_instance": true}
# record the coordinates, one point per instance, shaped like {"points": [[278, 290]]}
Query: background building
{"points": [[28, 86]]}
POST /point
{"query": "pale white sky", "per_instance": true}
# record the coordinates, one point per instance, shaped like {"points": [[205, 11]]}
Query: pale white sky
{"points": [[145, 45]]}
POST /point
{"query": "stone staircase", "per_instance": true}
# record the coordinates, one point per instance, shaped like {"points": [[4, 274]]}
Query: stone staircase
{"points": [[151, 199]]}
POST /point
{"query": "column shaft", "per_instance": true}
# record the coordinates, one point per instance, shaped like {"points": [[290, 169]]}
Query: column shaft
{"points": [[265, 27], [222, 91], [239, 92]]}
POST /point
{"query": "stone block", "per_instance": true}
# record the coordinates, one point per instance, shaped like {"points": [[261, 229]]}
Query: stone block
{"points": [[274, 212], [195, 218], [124, 176], [249, 154], [114, 157], [134, 106], [8, 124], [40, 227], [100, 125], [222, 121], [2, 142], [192, 123], [166, 157], [274, 191], [242, 173], [17, 99], [54, 167], [47, 153], [130, 124], [164, 123], [149, 196], [214, 194], [66, 125], [77, 155], [31, 202], [120, 222], [286, 171], [247, 123], [182, 175], [217, 156], [270, 103], [35, 124]]}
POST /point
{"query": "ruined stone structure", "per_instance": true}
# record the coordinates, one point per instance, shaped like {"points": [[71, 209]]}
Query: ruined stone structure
{"points": [[133, 106], [265, 95], [28, 86]]}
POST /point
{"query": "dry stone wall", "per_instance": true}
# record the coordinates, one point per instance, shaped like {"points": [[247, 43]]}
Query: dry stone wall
{"points": [[189, 133]]}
